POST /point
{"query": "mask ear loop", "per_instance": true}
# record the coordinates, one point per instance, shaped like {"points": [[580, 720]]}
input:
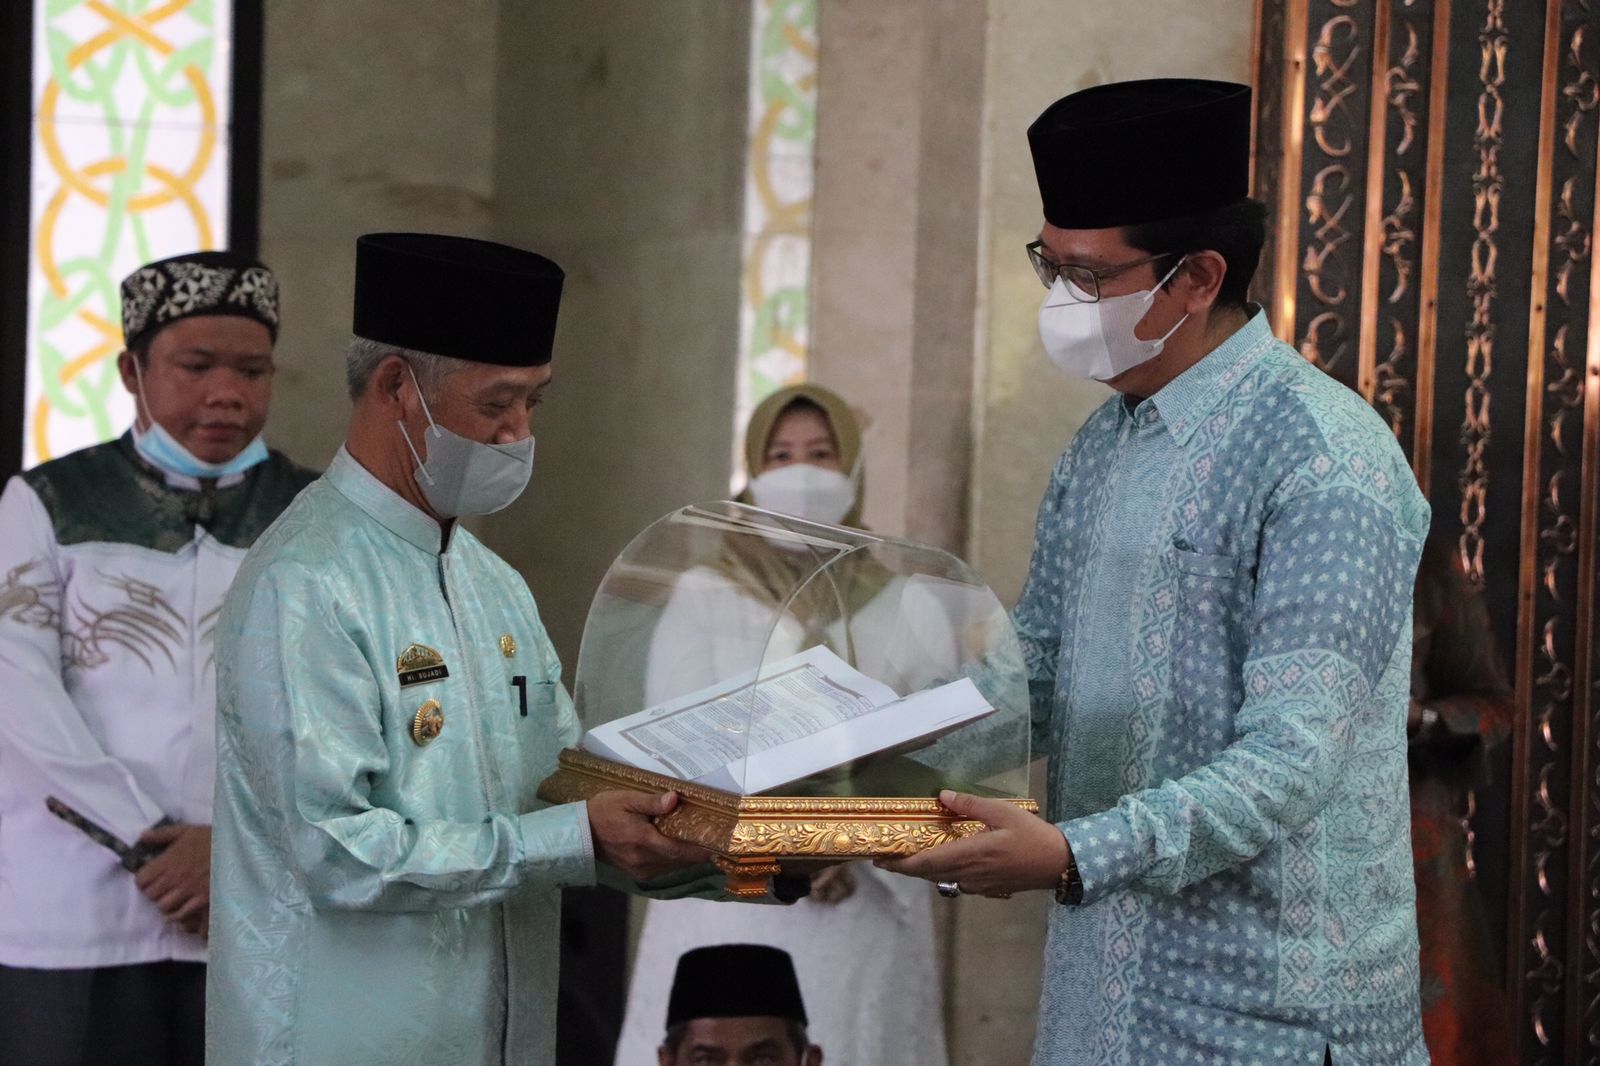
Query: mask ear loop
{"points": [[423, 400], [421, 466], [1165, 337], [1182, 259], [1161, 341], [138, 380]]}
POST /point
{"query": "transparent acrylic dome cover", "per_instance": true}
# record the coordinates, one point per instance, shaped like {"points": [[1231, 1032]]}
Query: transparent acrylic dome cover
{"points": [[759, 653]]}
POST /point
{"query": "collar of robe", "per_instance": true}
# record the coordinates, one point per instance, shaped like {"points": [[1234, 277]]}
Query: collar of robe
{"points": [[385, 506]]}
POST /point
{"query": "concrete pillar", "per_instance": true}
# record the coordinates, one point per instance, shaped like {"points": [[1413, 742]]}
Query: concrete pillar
{"points": [[895, 242], [341, 157], [620, 154]]}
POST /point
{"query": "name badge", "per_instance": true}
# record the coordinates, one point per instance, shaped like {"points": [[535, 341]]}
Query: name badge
{"points": [[420, 664]]}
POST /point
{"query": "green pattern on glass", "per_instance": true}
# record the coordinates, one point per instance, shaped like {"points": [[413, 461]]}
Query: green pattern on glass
{"points": [[117, 186], [798, 102], [775, 323]]}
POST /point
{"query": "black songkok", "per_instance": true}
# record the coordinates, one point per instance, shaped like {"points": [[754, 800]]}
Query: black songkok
{"points": [[455, 296], [199, 283], [1142, 151], [735, 981]]}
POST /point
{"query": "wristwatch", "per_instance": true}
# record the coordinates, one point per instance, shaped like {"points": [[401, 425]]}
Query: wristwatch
{"points": [[1069, 889]]}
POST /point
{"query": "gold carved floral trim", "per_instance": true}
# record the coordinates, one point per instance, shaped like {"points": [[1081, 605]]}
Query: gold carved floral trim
{"points": [[772, 827]]}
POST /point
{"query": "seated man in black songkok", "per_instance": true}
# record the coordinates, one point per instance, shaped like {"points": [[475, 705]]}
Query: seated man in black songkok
{"points": [[737, 1005]]}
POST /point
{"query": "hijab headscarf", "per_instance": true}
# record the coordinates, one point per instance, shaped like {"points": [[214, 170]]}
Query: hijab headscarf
{"points": [[771, 575], [842, 423]]}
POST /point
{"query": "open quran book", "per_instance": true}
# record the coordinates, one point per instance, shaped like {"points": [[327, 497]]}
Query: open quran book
{"points": [[765, 729]]}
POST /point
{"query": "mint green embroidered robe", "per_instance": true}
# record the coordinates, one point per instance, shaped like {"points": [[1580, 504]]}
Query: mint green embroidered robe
{"points": [[375, 900]]}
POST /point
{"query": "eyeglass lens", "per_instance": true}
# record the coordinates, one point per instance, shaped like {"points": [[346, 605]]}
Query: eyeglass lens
{"points": [[1086, 281]]}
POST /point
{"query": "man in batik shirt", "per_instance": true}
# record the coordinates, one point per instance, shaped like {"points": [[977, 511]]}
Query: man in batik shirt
{"points": [[113, 563], [1217, 630]]}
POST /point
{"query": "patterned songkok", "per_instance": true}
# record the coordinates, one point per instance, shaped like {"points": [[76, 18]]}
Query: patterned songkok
{"points": [[198, 283]]}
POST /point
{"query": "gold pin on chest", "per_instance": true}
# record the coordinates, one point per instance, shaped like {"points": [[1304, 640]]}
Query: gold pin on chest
{"points": [[508, 645], [428, 724]]}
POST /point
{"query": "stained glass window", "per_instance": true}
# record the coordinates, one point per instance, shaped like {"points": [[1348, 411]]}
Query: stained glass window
{"points": [[779, 172], [130, 163]]}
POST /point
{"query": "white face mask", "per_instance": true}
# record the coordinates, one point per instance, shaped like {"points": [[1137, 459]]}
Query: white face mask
{"points": [[805, 491], [465, 477], [1096, 339]]}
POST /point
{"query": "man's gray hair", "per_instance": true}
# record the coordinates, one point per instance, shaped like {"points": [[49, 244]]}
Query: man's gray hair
{"points": [[799, 1038], [361, 359]]}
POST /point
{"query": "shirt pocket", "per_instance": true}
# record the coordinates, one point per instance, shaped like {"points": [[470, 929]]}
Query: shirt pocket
{"points": [[1211, 633], [538, 739], [1200, 565], [531, 702], [539, 706]]}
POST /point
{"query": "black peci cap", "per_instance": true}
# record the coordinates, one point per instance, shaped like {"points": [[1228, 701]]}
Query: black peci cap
{"points": [[1141, 151], [457, 296], [735, 981]]}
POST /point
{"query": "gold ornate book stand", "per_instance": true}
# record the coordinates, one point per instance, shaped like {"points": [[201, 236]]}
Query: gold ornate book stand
{"points": [[752, 838]]}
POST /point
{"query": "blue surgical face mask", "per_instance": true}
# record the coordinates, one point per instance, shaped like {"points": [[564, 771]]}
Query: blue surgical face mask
{"points": [[162, 450]]}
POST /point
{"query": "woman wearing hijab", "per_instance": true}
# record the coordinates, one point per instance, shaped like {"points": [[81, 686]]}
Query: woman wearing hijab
{"points": [[862, 943]]}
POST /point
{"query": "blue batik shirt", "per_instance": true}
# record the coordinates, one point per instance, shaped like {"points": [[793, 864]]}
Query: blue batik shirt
{"points": [[1217, 629]]}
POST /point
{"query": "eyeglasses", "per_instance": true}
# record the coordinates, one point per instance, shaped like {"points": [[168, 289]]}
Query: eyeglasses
{"points": [[1084, 281]]}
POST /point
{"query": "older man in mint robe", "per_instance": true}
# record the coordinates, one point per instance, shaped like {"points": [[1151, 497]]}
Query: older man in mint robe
{"points": [[387, 885]]}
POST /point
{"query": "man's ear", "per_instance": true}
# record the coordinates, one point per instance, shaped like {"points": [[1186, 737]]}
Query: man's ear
{"points": [[1202, 273], [390, 384], [127, 372], [813, 1056]]}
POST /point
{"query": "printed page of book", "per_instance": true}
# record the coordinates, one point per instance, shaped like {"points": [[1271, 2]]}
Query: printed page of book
{"points": [[811, 712], [696, 734], [930, 712]]}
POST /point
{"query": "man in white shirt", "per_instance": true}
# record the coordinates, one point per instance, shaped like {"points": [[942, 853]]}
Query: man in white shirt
{"points": [[113, 564]]}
